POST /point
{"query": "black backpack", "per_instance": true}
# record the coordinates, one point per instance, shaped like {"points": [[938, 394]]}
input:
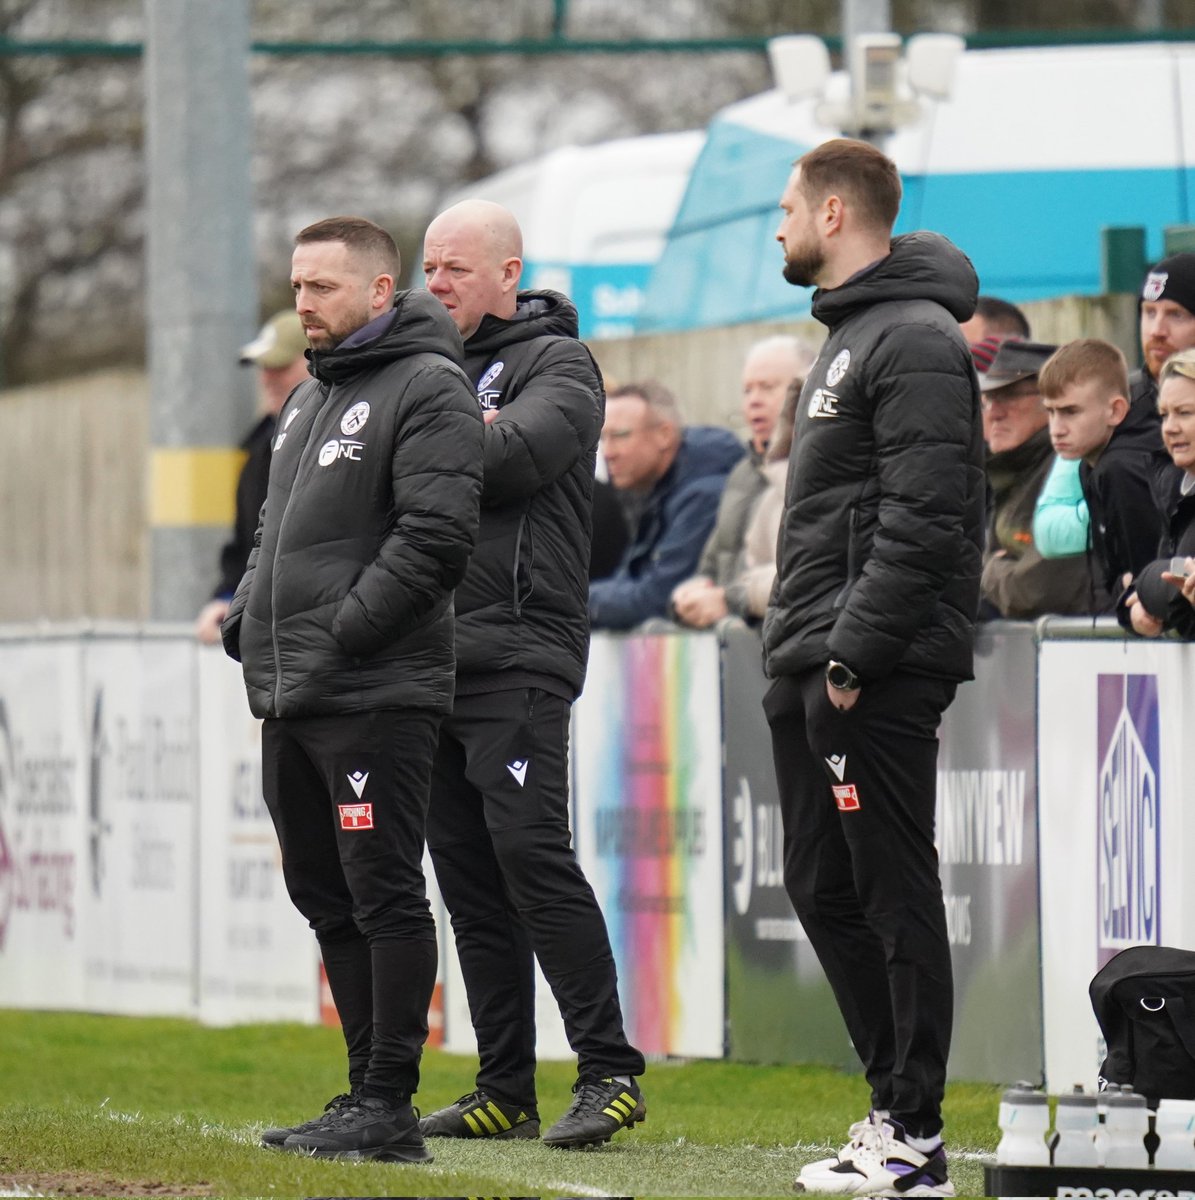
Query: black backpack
{"points": [[1144, 1001]]}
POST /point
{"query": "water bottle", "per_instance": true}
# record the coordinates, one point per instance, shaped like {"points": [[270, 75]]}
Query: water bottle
{"points": [[1125, 1127], [1100, 1137], [1175, 1127], [1075, 1123], [1024, 1121]]}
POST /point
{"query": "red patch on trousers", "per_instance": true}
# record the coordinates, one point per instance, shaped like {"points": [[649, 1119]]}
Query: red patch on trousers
{"points": [[356, 816], [846, 797]]}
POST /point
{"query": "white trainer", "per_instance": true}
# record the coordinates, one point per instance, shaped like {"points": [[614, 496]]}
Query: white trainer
{"points": [[877, 1161]]}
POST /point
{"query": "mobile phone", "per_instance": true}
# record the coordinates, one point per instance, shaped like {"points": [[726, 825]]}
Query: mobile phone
{"points": [[1178, 566]]}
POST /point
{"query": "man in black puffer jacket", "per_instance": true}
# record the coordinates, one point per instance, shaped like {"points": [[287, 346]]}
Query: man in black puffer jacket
{"points": [[869, 632], [344, 624], [498, 823]]}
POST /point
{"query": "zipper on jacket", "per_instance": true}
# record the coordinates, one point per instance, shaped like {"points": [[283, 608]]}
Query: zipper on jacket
{"points": [[852, 545], [277, 545], [852, 556], [524, 524]]}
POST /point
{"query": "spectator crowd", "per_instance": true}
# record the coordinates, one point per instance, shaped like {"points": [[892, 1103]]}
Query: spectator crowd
{"points": [[1089, 473], [1090, 478]]}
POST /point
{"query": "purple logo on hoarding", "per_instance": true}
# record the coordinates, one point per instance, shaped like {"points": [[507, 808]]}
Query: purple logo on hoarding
{"points": [[1127, 833]]}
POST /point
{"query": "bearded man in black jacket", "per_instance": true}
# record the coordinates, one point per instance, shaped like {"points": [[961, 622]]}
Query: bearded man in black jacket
{"points": [[869, 632], [498, 826], [343, 621]]}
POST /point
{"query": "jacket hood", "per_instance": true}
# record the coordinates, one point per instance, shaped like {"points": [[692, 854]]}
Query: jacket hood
{"points": [[417, 324], [537, 313], [1140, 430], [920, 266]]}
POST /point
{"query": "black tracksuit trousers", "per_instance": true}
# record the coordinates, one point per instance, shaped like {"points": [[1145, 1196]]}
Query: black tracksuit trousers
{"points": [[500, 842], [348, 797], [857, 796]]}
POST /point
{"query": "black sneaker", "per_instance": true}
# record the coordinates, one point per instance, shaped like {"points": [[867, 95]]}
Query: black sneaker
{"points": [[600, 1108], [274, 1138], [365, 1128], [480, 1116]]}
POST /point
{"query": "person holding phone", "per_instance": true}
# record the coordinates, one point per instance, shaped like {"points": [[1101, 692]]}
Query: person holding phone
{"points": [[1162, 597]]}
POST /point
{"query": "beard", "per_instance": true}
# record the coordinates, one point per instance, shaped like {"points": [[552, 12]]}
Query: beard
{"points": [[1155, 355], [328, 336], [804, 265]]}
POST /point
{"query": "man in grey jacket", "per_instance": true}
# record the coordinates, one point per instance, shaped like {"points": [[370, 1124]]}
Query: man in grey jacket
{"points": [[343, 622]]}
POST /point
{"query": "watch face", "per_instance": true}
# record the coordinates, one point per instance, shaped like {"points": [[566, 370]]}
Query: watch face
{"points": [[841, 676]]}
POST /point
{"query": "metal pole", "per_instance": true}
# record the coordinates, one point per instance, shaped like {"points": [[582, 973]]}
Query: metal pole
{"points": [[1150, 14], [864, 16], [858, 17], [202, 300]]}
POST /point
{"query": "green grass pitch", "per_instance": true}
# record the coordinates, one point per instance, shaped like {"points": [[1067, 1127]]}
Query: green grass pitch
{"points": [[96, 1105]]}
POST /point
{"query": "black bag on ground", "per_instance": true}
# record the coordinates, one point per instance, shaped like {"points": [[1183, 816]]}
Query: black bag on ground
{"points": [[1144, 1001]]}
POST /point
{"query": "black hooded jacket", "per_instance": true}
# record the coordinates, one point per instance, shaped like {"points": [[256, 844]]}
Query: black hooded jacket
{"points": [[372, 509], [878, 560], [1125, 523], [522, 617]]}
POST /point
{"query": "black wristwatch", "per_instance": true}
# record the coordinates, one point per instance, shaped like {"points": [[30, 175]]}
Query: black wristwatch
{"points": [[840, 677]]}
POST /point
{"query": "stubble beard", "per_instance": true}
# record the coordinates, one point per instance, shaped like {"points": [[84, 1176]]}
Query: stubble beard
{"points": [[327, 338], [803, 267]]}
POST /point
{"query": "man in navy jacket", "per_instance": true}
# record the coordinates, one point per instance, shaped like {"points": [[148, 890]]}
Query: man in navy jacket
{"points": [[678, 474]]}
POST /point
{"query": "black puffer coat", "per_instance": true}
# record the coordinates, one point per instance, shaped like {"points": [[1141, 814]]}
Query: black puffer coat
{"points": [[1159, 598], [522, 616], [878, 560], [372, 510]]}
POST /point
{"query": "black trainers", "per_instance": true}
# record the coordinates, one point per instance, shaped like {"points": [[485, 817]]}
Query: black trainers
{"points": [[600, 1108], [365, 1128], [273, 1139], [480, 1116]]}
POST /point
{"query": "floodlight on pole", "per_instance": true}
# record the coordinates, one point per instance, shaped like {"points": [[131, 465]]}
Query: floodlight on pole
{"points": [[881, 83], [930, 61], [800, 65]]}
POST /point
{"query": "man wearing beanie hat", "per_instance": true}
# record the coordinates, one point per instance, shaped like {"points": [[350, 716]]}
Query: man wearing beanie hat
{"points": [[278, 354], [1167, 326]]}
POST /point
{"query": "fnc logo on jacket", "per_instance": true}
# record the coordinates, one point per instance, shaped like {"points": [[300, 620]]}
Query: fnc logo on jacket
{"points": [[823, 403], [487, 394], [329, 452]]}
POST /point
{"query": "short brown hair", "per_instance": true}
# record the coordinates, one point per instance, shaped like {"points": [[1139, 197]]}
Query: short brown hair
{"points": [[1082, 360], [367, 240], [864, 176]]}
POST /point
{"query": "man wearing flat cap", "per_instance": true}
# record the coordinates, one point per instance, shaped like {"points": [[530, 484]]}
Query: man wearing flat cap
{"points": [[278, 354], [1018, 583]]}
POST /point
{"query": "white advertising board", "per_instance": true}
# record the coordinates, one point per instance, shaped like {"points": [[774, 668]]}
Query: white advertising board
{"points": [[44, 842], [139, 716], [1116, 825], [258, 959]]}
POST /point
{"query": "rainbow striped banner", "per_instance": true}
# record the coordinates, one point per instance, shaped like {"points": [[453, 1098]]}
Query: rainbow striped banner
{"points": [[647, 796]]}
